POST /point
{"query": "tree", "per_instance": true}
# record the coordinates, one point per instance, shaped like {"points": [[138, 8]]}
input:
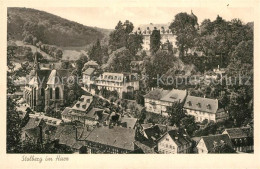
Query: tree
{"points": [[119, 37], [188, 123], [155, 41], [134, 43], [121, 61], [222, 148], [13, 132], [157, 65], [96, 53], [184, 27], [175, 113]]}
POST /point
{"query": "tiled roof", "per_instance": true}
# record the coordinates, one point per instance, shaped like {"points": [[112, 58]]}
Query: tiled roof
{"points": [[32, 123], [89, 71], [130, 122], [201, 104], [83, 103], [97, 112], [119, 137], [180, 138], [210, 140], [153, 132], [66, 111], [67, 135], [239, 132], [146, 146], [91, 63], [175, 96], [156, 94]]}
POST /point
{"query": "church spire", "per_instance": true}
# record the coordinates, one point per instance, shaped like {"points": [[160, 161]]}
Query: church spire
{"points": [[36, 63]]}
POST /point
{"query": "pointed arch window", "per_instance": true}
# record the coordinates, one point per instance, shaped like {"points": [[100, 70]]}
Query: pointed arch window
{"points": [[57, 93], [50, 93]]}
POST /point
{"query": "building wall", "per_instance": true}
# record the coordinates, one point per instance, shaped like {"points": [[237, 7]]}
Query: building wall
{"points": [[167, 146], [202, 149], [200, 116], [94, 148], [164, 38], [153, 106]]}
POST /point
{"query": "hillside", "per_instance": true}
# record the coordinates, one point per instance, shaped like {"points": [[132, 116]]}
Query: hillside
{"points": [[50, 29]]}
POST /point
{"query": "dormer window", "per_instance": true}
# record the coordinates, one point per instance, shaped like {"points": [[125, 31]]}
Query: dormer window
{"points": [[77, 105], [88, 100], [84, 106], [189, 103], [209, 106], [199, 105]]}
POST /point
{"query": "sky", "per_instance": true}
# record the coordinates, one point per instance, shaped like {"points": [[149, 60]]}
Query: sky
{"points": [[108, 17]]}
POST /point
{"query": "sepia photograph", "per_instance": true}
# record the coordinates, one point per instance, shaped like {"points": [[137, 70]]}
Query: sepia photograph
{"points": [[129, 79], [176, 84]]}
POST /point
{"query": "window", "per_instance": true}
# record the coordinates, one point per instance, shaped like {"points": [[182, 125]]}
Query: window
{"points": [[42, 91], [167, 139], [57, 93], [50, 93]]}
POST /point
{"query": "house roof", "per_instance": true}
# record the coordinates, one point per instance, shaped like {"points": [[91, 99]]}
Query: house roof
{"points": [[180, 138], [239, 132], [66, 111], [153, 132], [156, 94], [67, 135], [210, 140], [201, 104], [146, 146], [32, 123], [91, 63], [147, 125], [89, 71], [175, 95], [83, 103], [119, 137], [130, 122]]}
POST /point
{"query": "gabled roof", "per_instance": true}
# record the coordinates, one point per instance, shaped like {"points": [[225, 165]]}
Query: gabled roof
{"points": [[147, 146], [179, 137], [153, 133], [201, 104], [119, 137], [42, 76], [215, 139], [83, 103], [67, 136], [56, 76], [156, 94], [130, 122], [91, 63], [175, 95], [32, 123], [89, 71], [239, 132]]}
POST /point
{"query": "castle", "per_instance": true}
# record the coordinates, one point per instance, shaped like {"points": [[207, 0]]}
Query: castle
{"points": [[166, 34]]}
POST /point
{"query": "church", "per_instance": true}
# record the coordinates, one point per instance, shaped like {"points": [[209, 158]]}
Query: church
{"points": [[45, 87]]}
